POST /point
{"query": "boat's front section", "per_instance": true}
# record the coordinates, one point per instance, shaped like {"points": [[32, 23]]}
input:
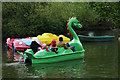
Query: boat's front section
{"points": [[75, 42]]}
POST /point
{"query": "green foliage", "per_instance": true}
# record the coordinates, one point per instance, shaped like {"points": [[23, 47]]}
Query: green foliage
{"points": [[30, 19], [108, 12]]}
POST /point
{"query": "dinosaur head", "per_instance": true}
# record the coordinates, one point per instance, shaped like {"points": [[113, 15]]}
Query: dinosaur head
{"points": [[76, 23]]}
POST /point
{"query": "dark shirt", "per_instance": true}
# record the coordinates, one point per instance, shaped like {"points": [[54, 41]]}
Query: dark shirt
{"points": [[54, 48], [34, 45]]}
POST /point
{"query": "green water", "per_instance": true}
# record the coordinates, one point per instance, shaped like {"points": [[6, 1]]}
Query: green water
{"points": [[100, 61]]}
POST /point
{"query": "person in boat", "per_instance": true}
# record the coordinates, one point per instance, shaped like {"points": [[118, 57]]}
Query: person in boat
{"points": [[66, 46], [35, 44], [53, 46], [71, 47]]}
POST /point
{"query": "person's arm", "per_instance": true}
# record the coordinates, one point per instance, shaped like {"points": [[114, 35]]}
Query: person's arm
{"points": [[57, 45], [66, 46]]}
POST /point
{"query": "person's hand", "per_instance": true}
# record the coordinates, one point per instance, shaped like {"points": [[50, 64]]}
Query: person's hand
{"points": [[69, 48]]}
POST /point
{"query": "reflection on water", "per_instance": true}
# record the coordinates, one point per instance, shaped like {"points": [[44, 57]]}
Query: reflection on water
{"points": [[11, 56], [67, 69], [100, 61]]}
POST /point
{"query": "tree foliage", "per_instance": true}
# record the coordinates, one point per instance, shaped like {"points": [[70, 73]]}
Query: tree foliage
{"points": [[30, 19], [108, 12]]}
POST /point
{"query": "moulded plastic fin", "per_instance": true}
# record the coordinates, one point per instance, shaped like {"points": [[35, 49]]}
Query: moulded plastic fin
{"points": [[68, 29], [71, 35], [69, 32], [68, 21], [67, 25]]}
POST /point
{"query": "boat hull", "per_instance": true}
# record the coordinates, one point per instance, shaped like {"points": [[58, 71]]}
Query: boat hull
{"points": [[96, 38], [59, 58]]}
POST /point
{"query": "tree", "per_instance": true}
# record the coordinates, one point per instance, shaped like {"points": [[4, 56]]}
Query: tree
{"points": [[30, 19], [108, 12]]}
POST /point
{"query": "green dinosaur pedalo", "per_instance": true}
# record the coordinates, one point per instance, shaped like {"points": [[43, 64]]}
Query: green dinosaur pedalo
{"points": [[43, 56]]}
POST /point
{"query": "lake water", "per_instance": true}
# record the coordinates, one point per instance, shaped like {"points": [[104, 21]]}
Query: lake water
{"points": [[100, 61]]}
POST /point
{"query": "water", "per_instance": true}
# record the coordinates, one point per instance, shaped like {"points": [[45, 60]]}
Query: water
{"points": [[100, 61]]}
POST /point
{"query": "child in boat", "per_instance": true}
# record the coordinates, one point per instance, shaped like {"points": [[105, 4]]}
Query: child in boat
{"points": [[62, 44], [53, 46], [35, 44]]}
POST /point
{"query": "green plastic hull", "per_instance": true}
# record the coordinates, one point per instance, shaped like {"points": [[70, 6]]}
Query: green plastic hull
{"points": [[59, 58]]}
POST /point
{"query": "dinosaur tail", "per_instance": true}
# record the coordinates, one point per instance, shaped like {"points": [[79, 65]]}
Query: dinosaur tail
{"points": [[20, 53], [29, 53]]}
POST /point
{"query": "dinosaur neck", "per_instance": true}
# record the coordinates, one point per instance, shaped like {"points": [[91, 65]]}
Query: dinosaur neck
{"points": [[72, 31]]}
